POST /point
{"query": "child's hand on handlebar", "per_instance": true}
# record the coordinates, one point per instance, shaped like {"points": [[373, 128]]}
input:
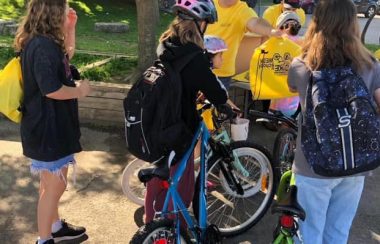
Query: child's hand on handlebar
{"points": [[235, 108]]}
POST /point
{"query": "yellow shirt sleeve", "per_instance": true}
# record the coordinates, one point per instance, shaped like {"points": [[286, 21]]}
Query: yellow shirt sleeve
{"points": [[302, 15], [231, 27], [245, 15], [271, 14]]}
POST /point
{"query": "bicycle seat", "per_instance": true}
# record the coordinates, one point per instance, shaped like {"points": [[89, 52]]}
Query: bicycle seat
{"points": [[160, 170], [289, 205]]}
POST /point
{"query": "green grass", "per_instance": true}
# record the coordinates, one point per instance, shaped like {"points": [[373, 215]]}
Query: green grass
{"points": [[6, 54], [11, 9], [372, 47], [113, 71], [81, 59], [89, 12]]}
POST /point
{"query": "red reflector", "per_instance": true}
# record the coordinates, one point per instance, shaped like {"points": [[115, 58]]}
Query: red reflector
{"points": [[287, 221], [165, 185], [161, 241]]}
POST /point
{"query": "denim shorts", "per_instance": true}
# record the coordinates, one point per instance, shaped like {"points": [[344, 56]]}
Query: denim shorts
{"points": [[53, 167]]}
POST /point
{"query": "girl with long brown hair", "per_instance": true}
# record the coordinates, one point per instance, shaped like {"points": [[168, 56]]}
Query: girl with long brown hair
{"points": [[332, 40], [50, 128], [183, 37]]}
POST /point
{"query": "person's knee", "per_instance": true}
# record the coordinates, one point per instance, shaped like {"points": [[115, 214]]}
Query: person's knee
{"points": [[54, 183]]}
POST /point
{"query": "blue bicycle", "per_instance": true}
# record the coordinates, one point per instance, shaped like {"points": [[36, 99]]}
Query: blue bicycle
{"points": [[237, 176]]}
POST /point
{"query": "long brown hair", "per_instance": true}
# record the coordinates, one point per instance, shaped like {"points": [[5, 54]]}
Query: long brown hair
{"points": [[185, 30], [333, 37], [43, 17]]}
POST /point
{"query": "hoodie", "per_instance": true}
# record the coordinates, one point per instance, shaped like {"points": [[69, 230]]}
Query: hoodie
{"points": [[196, 76]]}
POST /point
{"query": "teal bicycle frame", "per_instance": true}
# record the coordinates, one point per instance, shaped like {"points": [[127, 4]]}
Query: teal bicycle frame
{"points": [[221, 134]]}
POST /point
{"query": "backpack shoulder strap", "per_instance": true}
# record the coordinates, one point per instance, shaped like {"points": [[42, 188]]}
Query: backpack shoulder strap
{"points": [[308, 101]]}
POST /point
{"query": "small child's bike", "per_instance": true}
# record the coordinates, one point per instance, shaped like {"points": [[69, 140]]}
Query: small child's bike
{"points": [[288, 208]]}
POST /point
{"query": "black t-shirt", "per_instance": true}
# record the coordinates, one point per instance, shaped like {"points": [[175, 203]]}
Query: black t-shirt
{"points": [[49, 128]]}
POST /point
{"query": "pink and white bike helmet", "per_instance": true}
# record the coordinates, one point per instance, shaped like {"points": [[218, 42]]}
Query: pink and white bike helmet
{"points": [[196, 10], [214, 44]]}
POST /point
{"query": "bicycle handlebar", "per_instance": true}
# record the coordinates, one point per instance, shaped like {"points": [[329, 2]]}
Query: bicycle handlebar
{"points": [[282, 118]]}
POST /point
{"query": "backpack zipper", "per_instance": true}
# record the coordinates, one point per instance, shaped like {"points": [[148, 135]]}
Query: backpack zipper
{"points": [[142, 131]]}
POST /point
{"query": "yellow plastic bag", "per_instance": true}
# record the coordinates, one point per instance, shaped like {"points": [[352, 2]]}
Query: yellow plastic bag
{"points": [[11, 90], [377, 54], [269, 68]]}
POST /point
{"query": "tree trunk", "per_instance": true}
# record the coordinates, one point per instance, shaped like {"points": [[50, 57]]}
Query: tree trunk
{"points": [[147, 22]]}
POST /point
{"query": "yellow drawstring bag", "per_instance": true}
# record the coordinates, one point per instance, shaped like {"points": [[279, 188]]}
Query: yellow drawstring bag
{"points": [[377, 54], [269, 68], [11, 90]]}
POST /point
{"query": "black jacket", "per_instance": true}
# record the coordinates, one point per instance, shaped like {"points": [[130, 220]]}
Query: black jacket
{"points": [[196, 76]]}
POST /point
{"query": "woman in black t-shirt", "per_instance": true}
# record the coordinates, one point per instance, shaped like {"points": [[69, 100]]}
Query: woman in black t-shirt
{"points": [[49, 126]]}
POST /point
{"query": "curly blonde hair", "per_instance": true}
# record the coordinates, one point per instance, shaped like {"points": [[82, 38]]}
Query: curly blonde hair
{"points": [[45, 18], [185, 30], [333, 37]]}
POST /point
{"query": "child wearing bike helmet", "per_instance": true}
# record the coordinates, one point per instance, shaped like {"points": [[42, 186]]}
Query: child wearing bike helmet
{"points": [[215, 47], [289, 23], [185, 36]]}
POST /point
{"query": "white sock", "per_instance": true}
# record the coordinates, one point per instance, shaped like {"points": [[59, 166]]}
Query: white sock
{"points": [[42, 241], [56, 226]]}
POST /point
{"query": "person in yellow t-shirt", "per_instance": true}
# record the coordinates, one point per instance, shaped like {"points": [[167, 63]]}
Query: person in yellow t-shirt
{"points": [[235, 18], [273, 12]]}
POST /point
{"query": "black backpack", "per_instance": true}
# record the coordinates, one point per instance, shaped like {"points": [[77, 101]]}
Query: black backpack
{"points": [[340, 128], [153, 122]]}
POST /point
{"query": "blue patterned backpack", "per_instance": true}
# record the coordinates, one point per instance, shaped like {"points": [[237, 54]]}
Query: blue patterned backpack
{"points": [[340, 127]]}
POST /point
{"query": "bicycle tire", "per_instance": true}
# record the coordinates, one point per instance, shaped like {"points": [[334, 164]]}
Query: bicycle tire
{"points": [[147, 234], [282, 163], [130, 183], [261, 158]]}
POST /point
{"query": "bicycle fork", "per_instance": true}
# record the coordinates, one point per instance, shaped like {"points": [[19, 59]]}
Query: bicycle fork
{"points": [[228, 172]]}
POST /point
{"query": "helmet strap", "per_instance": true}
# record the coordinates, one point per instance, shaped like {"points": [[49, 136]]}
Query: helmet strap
{"points": [[199, 28]]}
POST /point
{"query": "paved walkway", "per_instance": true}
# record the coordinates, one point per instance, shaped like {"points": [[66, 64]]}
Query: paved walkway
{"points": [[97, 200]]}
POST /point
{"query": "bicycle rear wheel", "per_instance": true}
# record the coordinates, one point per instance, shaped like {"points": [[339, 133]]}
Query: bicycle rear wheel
{"points": [[159, 231], [132, 187], [230, 212], [284, 151]]}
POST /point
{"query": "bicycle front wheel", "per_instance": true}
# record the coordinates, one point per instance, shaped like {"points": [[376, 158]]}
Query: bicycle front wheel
{"points": [[230, 212], [132, 187], [159, 231], [284, 151]]}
